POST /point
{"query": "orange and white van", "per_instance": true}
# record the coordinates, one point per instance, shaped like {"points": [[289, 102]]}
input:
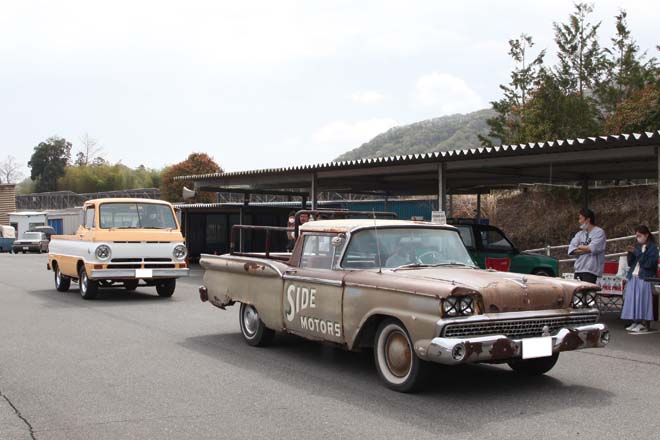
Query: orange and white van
{"points": [[122, 241]]}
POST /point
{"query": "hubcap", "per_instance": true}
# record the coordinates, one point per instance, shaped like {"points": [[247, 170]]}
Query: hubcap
{"points": [[250, 320], [57, 277], [398, 354], [83, 281]]}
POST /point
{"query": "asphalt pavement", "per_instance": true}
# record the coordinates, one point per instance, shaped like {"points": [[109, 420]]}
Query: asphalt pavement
{"points": [[137, 366]]}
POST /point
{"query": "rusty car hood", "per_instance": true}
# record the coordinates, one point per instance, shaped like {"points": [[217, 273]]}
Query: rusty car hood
{"points": [[500, 291]]}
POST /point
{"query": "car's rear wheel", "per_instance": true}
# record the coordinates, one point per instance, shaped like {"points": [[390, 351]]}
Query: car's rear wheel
{"points": [[534, 367], [165, 288], [62, 282], [88, 288], [253, 329], [397, 364]]}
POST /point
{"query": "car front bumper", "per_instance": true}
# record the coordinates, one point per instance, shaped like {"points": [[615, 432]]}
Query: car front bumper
{"points": [[124, 274], [26, 247], [500, 348]]}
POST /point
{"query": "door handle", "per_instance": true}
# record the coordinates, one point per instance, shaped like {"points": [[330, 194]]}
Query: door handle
{"points": [[290, 272]]}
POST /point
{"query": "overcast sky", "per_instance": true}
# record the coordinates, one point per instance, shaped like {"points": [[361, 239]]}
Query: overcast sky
{"points": [[258, 84]]}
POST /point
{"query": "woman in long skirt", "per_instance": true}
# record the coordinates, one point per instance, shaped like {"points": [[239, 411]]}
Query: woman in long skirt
{"points": [[638, 296]]}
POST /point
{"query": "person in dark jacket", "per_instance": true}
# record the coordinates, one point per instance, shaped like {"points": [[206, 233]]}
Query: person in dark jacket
{"points": [[638, 296]]}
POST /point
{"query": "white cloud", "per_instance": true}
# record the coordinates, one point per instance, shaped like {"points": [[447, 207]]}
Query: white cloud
{"points": [[352, 134], [446, 94], [367, 97]]}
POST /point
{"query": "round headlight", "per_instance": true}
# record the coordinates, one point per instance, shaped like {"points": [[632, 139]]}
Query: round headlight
{"points": [[449, 306], [180, 252], [466, 305], [578, 300], [103, 252]]}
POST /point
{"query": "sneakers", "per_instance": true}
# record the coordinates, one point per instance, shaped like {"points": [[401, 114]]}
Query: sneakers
{"points": [[639, 328], [632, 326]]}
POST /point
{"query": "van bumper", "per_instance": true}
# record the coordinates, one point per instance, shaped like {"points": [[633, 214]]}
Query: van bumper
{"points": [[127, 274]]}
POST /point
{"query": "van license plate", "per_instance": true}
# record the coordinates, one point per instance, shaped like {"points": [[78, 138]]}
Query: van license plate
{"points": [[536, 347], [143, 273]]}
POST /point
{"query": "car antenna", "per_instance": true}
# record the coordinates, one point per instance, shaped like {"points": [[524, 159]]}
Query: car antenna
{"points": [[380, 264]]}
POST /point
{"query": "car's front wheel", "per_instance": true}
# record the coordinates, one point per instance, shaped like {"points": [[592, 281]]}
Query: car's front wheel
{"points": [[397, 364], [534, 367], [542, 272], [166, 287], [88, 288], [62, 282], [253, 329]]}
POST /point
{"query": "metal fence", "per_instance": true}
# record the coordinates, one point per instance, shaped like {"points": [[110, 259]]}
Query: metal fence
{"points": [[548, 249]]}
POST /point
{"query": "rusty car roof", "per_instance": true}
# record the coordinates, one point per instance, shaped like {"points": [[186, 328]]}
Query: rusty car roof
{"points": [[346, 225]]}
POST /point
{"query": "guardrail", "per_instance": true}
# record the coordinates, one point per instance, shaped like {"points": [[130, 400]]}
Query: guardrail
{"points": [[547, 250]]}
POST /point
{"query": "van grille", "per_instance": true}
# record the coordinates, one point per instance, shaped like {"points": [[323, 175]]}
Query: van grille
{"points": [[517, 328]]}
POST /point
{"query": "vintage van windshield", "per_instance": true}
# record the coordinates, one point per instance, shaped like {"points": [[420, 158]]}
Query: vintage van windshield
{"points": [[136, 216], [405, 246]]}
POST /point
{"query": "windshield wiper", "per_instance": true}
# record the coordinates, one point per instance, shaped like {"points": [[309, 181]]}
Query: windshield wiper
{"points": [[152, 227], [411, 265], [452, 263]]}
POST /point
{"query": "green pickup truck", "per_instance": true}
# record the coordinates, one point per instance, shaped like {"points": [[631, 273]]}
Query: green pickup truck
{"points": [[491, 249]]}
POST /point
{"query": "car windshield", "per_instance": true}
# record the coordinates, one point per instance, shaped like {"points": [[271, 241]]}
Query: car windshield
{"points": [[32, 236], [136, 216], [397, 247]]}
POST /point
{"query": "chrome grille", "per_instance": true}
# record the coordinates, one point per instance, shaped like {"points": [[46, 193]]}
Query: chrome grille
{"points": [[516, 328]]}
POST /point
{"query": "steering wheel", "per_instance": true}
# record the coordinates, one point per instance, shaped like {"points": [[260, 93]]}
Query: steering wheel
{"points": [[435, 254]]}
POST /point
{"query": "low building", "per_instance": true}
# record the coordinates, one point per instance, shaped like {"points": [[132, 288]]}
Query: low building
{"points": [[7, 202], [25, 220]]}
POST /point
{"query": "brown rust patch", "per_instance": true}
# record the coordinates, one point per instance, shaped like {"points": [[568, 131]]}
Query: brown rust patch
{"points": [[571, 342], [252, 266], [473, 348], [502, 348]]}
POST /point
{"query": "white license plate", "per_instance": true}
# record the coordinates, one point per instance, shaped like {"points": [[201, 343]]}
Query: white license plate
{"points": [[144, 273], [536, 347], [25, 248]]}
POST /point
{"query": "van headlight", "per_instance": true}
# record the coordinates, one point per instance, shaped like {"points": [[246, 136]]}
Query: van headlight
{"points": [[180, 252], [103, 252], [458, 306], [584, 300]]}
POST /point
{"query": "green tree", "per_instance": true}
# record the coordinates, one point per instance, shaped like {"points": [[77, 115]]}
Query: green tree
{"points": [[509, 124], [640, 112], [554, 114], [196, 163], [626, 70], [48, 163], [581, 59]]}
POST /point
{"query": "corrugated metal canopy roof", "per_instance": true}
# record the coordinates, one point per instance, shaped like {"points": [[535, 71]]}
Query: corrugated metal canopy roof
{"points": [[467, 170]]}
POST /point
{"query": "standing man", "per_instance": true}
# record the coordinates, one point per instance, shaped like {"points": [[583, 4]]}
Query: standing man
{"points": [[588, 246]]}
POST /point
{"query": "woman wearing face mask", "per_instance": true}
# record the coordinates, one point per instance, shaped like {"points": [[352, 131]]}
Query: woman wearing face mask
{"points": [[643, 263]]}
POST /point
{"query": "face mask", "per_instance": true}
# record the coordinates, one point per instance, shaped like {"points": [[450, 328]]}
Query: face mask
{"points": [[641, 240], [583, 226]]}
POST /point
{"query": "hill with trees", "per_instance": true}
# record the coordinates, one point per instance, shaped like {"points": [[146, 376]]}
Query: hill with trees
{"points": [[438, 134]]}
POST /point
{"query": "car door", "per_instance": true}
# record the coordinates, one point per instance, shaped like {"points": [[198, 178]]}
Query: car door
{"points": [[313, 291], [468, 237], [497, 251]]}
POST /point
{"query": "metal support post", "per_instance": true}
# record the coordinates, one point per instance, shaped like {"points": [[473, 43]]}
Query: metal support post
{"points": [[442, 186], [585, 193], [314, 192], [478, 216]]}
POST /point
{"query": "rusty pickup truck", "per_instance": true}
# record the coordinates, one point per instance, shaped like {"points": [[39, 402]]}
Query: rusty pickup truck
{"points": [[408, 290]]}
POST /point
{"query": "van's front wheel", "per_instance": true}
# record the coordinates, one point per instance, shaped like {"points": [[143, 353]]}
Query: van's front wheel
{"points": [[88, 288], [253, 329]]}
